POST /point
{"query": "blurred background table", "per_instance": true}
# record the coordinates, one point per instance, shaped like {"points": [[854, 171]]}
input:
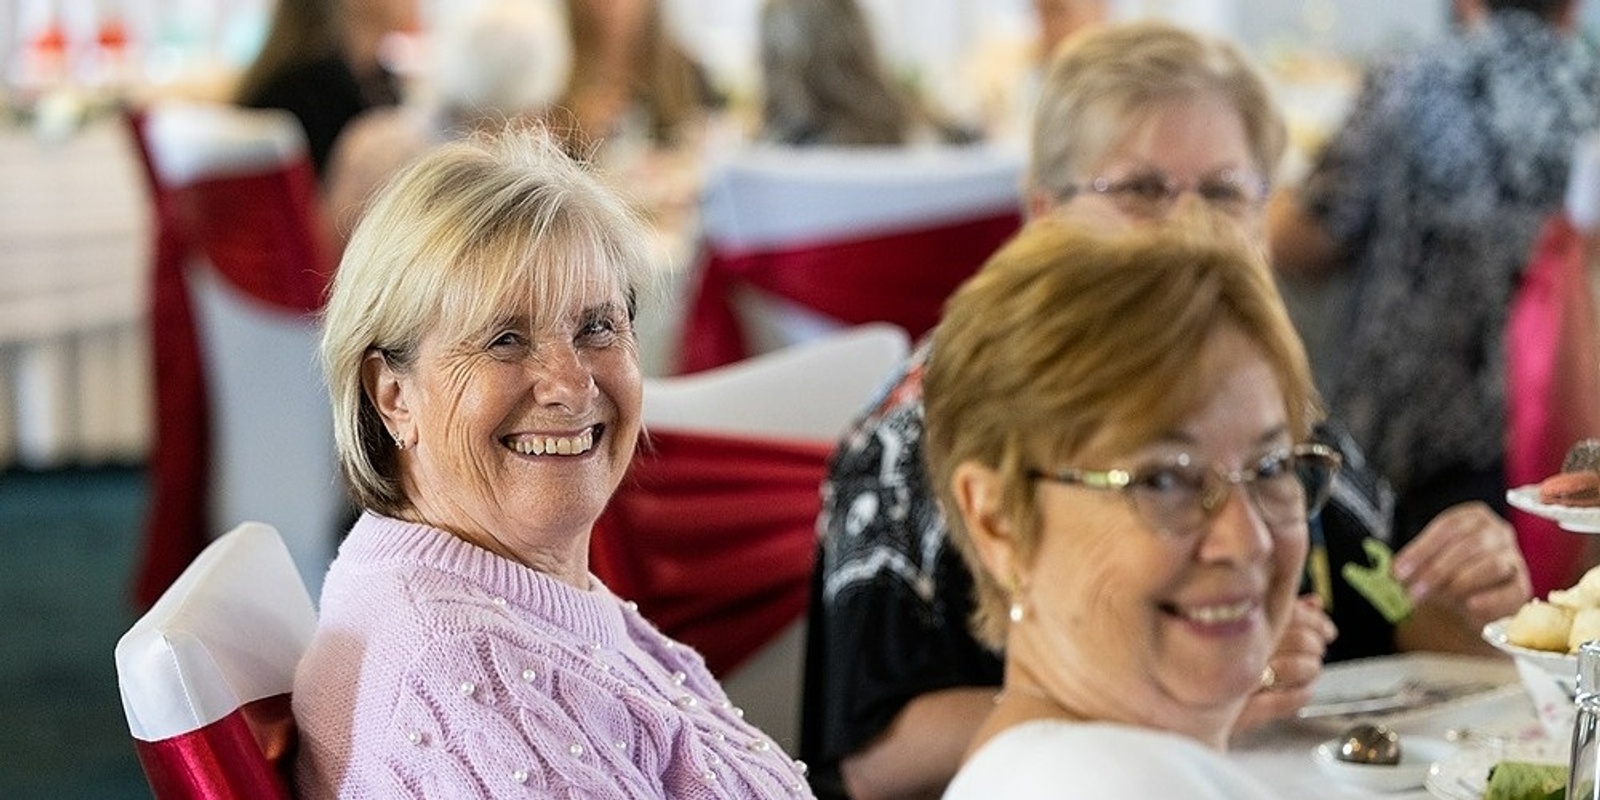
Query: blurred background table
{"points": [[74, 363]]}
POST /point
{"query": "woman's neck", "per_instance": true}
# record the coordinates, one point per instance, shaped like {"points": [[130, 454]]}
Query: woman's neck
{"points": [[1023, 699]]}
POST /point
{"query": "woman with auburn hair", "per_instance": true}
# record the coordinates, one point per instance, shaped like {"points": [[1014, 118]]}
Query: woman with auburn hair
{"points": [[1118, 426]]}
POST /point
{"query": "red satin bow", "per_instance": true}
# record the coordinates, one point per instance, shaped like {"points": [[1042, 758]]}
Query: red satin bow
{"points": [[714, 537]]}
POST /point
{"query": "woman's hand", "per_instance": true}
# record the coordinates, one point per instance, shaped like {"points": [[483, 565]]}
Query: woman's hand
{"points": [[1464, 570], [1286, 683]]}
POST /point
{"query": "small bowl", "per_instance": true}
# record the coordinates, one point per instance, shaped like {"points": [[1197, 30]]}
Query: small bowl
{"points": [[1417, 753], [1563, 667]]}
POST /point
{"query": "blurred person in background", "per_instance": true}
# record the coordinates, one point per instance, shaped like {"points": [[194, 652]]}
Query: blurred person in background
{"points": [[824, 82], [1001, 79], [1132, 120], [321, 61], [1431, 194], [499, 63], [630, 77]]}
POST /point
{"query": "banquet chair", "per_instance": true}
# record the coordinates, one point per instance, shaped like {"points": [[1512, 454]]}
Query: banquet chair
{"points": [[244, 429], [713, 532], [799, 242], [206, 673]]}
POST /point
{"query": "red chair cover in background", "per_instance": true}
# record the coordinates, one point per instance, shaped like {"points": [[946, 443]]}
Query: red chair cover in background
{"points": [[252, 216], [1552, 392], [206, 673], [901, 278], [854, 236], [175, 521], [714, 530], [713, 537]]}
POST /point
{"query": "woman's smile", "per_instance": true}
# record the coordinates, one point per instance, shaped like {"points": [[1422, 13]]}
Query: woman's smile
{"points": [[533, 444]]}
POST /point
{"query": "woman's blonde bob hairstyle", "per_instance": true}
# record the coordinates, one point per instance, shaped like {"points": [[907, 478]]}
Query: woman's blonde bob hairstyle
{"points": [[471, 231], [1070, 335], [1105, 81]]}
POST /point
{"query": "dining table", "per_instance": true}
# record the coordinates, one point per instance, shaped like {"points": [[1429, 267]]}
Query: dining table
{"points": [[74, 255], [1492, 718]]}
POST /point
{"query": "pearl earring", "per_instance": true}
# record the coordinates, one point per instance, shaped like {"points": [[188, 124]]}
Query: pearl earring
{"points": [[1018, 611]]}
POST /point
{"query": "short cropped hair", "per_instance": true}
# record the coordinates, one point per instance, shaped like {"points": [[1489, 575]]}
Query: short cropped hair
{"points": [[1104, 80], [469, 229], [1070, 334]]}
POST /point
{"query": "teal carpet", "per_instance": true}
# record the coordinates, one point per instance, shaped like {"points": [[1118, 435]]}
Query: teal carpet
{"points": [[67, 544]]}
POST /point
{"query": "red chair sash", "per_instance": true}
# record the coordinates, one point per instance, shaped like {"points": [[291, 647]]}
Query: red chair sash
{"points": [[1553, 390], [901, 277], [260, 232], [175, 524], [714, 537], [247, 755]]}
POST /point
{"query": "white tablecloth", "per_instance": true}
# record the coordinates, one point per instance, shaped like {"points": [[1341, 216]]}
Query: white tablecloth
{"points": [[74, 253], [1281, 756]]}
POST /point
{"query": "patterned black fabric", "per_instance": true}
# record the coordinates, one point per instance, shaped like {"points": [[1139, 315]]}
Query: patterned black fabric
{"points": [[891, 598], [1436, 185]]}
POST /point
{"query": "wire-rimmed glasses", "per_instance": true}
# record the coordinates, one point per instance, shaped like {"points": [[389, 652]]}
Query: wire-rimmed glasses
{"points": [[1288, 487], [1150, 195]]}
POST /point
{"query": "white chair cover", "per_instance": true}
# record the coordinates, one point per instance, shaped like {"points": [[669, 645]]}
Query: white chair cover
{"points": [[228, 632], [271, 429], [779, 199], [805, 391]]}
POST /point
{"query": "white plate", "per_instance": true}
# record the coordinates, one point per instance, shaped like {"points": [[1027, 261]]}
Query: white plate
{"points": [[1417, 754], [1496, 678], [1561, 666], [1578, 519], [1463, 776]]}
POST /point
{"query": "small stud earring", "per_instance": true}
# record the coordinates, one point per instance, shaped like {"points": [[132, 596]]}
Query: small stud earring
{"points": [[1017, 613]]}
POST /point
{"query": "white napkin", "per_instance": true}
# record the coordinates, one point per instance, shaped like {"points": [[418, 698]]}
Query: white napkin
{"points": [[1551, 700]]}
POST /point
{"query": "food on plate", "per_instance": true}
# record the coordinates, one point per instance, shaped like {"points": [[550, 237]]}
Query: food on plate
{"points": [[1520, 780], [1540, 626], [1581, 488], [1585, 455], [1583, 594], [1568, 618], [1585, 628]]}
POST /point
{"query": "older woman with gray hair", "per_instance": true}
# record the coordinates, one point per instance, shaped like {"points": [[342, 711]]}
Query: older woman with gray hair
{"points": [[480, 354]]}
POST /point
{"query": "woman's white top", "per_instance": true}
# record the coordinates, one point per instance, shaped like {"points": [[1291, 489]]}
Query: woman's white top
{"points": [[1057, 759]]}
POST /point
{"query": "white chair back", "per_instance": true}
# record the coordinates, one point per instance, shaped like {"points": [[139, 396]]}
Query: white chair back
{"points": [[190, 142], [228, 632], [271, 428], [806, 391], [776, 198]]}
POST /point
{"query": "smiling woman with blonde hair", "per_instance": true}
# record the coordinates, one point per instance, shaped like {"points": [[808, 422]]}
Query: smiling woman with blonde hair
{"points": [[480, 354]]}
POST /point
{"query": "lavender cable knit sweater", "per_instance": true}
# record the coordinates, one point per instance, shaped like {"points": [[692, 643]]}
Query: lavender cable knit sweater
{"points": [[441, 670]]}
